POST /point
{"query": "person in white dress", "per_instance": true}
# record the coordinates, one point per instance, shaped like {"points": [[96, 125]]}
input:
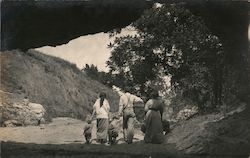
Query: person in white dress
{"points": [[101, 109]]}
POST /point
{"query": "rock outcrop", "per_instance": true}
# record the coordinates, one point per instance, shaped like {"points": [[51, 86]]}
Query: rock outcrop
{"points": [[22, 113], [186, 113], [32, 24], [225, 134]]}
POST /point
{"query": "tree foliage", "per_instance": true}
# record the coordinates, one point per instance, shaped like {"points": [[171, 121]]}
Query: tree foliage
{"points": [[103, 77], [171, 41]]}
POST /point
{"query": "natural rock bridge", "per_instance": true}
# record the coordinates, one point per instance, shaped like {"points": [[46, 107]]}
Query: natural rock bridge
{"points": [[32, 24]]}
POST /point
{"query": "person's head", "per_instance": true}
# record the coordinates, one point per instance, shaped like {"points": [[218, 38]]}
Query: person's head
{"points": [[115, 117], [154, 94], [165, 125], [127, 89], [89, 121], [102, 97]]}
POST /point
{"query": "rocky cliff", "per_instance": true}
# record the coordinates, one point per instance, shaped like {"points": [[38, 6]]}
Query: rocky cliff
{"points": [[222, 134]]}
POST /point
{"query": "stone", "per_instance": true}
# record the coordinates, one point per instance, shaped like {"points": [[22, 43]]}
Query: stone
{"points": [[22, 113], [37, 109], [186, 113], [11, 123]]}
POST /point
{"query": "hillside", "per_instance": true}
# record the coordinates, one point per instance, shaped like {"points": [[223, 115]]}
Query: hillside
{"points": [[56, 84]]}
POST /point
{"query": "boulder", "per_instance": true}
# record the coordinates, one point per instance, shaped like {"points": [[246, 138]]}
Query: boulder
{"points": [[11, 123], [186, 113], [37, 109], [22, 113]]}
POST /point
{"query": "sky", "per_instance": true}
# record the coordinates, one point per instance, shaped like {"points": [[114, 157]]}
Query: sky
{"points": [[89, 49]]}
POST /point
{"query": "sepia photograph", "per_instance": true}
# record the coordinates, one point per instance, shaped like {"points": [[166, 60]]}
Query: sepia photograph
{"points": [[125, 78]]}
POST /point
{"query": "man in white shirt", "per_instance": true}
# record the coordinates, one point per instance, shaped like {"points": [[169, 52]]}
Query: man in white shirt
{"points": [[126, 105]]}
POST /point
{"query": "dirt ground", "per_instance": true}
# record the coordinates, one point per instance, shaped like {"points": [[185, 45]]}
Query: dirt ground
{"points": [[62, 130], [63, 138]]}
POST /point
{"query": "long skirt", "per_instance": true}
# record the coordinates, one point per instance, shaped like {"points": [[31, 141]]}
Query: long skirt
{"points": [[102, 128], [128, 125], [153, 128]]}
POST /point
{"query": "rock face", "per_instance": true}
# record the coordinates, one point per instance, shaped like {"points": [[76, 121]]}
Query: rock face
{"points": [[32, 24], [214, 134], [22, 113], [62, 89], [186, 113]]}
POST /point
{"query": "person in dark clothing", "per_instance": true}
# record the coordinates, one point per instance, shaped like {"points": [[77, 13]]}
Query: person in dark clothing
{"points": [[113, 130], [166, 126], [152, 126], [87, 131]]}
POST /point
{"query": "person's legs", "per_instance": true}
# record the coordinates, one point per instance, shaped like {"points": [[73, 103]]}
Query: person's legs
{"points": [[109, 136], [102, 130], [112, 136], [128, 125], [125, 125], [130, 130], [97, 130], [87, 138], [94, 130], [114, 140]]}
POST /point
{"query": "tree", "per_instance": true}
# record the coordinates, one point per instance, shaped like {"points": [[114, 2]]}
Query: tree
{"points": [[91, 71], [174, 42], [100, 76]]}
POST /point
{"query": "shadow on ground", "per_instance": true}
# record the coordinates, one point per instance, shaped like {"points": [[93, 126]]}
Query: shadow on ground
{"points": [[138, 150]]}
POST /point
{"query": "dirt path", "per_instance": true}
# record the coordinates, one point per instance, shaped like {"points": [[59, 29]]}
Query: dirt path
{"points": [[60, 131], [63, 138]]}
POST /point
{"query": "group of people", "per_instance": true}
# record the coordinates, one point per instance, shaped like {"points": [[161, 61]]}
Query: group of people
{"points": [[107, 132]]}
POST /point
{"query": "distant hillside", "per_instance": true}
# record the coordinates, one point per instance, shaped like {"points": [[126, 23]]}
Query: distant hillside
{"points": [[55, 83]]}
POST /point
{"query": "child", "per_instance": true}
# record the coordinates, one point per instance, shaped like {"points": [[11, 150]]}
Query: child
{"points": [[87, 131], [113, 131], [166, 126]]}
